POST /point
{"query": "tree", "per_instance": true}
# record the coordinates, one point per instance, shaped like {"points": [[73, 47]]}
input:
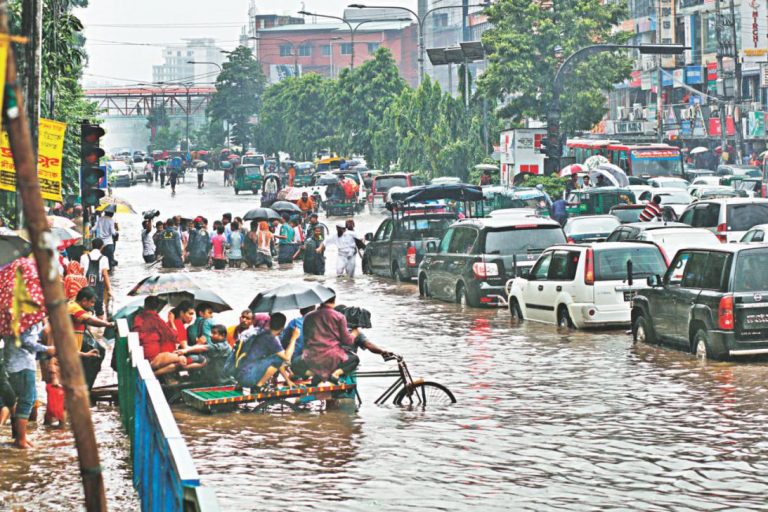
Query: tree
{"points": [[167, 137], [522, 54], [238, 96]]}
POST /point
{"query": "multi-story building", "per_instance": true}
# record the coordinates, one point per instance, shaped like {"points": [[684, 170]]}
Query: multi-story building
{"points": [[195, 62]]}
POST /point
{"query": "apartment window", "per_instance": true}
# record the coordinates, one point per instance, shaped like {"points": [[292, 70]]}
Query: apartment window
{"points": [[346, 48], [286, 50], [325, 50], [305, 50], [372, 47]]}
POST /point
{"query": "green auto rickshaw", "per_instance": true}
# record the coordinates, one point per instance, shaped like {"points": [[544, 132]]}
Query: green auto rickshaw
{"points": [[248, 177], [598, 200], [304, 172]]}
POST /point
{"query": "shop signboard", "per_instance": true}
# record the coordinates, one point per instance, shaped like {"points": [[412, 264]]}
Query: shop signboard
{"points": [[756, 125], [678, 77], [667, 30], [694, 75], [754, 30]]}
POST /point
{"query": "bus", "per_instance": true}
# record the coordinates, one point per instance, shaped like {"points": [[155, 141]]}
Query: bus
{"points": [[641, 160]]}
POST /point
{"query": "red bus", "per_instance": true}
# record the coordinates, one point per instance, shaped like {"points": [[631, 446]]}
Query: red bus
{"points": [[641, 160]]}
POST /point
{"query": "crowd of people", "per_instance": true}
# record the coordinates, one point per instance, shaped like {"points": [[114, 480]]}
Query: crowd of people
{"points": [[318, 346], [234, 243]]}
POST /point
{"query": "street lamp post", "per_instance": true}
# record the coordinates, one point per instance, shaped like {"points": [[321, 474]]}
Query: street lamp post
{"points": [[554, 147], [420, 22]]}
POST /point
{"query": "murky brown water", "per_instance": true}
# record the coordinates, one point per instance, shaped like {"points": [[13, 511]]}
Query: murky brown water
{"points": [[545, 419]]}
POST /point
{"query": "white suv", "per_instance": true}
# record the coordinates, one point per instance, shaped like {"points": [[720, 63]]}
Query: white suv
{"points": [[585, 285], [729, 218]]}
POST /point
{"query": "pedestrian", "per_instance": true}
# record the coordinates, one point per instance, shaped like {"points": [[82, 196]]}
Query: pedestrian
{"points": [[173, 177], [226, 221], [652, 210], [147, 242], [314, 253], [200, 176], [264, 240], [156, 170], [169, 247], [218, 243], [346, 243], [291, 175], [573, 184], [235, 252], [159, 227], [81, 314], [96, 266], [7, 395], [163, 173], [199, 245], [287, 247], [107, 233], [560, 211], [250, 245], [21, 365]]}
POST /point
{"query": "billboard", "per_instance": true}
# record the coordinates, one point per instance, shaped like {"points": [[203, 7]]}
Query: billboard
{"points": [[754, 30]]}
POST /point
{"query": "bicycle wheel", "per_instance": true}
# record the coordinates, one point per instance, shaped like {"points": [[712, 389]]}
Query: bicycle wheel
{"points": [[426, 394], [275, 406]]}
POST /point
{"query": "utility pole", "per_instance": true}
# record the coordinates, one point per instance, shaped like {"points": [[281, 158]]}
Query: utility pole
{"points": [[32, 28], [737, 85], [659, 81], [721, 74]]}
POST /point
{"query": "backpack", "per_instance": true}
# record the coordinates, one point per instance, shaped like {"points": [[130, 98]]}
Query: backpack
{"points": [[92, 273]]}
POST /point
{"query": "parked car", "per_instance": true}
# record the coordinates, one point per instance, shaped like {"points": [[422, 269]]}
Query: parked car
{"points": [[139, 169], [691, 174], [710, 180], [590, 228], [756, 234], [477, 257], [700, 192], [668, 182], [120, 174], [738, 170], [589, 285], [709, 302], [382, 184], [729, 219], [633, 231], [627, 213]]}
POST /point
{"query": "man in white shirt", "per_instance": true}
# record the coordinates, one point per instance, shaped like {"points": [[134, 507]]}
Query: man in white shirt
{"points": [[105, 227], [346, 241], [96, 267]]}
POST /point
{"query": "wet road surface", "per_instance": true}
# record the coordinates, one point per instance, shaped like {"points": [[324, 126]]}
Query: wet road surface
{"points": [[545, 420]]}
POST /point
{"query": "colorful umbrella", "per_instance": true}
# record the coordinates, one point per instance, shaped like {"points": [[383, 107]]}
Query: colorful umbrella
{"points": [[118, 205], [698, 150], [202, 152], [22, 304], [66, 237], [569, 170], [54, 221], [164, 284], [595, 160]]}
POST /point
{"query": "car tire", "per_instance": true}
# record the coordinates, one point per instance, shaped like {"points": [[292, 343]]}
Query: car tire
{"points": [[701, 347], [423, 286], [563, 318], [642, 331], [396, 274], [515, 312], [366, 264], [462, 299]]}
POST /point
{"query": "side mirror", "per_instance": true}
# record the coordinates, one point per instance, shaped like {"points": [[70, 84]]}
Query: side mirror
{"points": [[525, 272], [431, 247], [369, 237], [654, 281]]}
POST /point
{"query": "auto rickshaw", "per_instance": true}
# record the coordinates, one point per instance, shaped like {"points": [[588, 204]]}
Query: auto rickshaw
{"points": [[248, 177], [304, 171], [752, 186], [598, 200]]}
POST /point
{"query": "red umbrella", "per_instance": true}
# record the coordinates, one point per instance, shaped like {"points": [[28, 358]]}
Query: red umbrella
{"points": [[32, 295], [202, 152]]}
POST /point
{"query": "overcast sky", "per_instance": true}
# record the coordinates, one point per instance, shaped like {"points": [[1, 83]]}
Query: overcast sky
{"points": [[148, 25]]}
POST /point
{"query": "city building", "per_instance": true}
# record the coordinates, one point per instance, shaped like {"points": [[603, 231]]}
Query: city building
{"points": [[196, 62], [326, 48]]}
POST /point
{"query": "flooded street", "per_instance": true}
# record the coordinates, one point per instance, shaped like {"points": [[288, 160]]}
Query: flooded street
{"points": [[545, 419]]}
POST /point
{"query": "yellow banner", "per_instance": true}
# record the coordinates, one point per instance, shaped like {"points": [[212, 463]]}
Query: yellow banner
{"points": [[50, 148]]}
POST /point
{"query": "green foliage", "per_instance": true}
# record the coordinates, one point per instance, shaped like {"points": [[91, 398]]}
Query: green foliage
{"points": [[523, 64], [238, 96], [554, 185], [167, 137]]}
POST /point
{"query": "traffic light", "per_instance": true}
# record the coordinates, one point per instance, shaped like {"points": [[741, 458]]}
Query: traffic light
{"points": [[90, 173]]}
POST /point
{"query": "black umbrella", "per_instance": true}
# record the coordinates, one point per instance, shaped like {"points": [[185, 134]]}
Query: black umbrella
{"points": [[262, 214], [13, 247], [218, 304], [290, 296], [285, 207], [164, 284]]}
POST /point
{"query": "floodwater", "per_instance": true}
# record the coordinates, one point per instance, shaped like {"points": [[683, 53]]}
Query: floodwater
{"points": [[545, 419]]}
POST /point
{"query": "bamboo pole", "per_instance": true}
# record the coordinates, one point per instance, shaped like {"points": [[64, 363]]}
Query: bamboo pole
{"points": [[28, 187]]}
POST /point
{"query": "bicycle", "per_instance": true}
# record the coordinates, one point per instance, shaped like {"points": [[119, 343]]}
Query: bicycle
{"points": [[407, 390]]}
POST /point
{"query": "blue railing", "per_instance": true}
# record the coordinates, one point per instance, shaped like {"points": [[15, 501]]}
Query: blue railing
{"points": [[164, 473]]}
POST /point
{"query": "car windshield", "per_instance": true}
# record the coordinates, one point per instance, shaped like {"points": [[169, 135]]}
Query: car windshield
{"points": [[655, 166], [627, 215], [255, 160], [511, 241], [750, 271], [383, 184], [426, 227], [742, 217], [718, 193], [595, 225], [676, 198], [611, 264], [682, 184]]}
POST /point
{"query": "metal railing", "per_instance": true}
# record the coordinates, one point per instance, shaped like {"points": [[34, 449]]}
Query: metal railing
{"points": [[164, 472]]}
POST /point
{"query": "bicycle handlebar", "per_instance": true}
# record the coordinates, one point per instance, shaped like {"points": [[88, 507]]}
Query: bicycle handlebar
{"points": [[394, 357]]}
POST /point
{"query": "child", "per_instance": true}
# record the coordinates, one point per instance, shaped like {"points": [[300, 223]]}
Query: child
{"points": [[219, 241], [200, 330], [218, 350], [262, 355]]}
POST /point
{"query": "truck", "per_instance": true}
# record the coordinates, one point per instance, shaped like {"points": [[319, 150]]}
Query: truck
{"points": [[521, 152]]}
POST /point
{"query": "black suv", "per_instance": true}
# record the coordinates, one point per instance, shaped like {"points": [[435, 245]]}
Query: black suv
{"points": [[711, 302], [476, 257]]}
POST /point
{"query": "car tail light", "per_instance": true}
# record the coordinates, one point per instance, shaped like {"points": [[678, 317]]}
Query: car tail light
{"points": [[486, 300], [484, 270], [721, 233], [725, 313], [410, 257], [570, 240], [589, 268]]}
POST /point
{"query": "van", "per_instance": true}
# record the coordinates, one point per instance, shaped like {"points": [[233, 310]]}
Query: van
{"points": [[382, 184]]}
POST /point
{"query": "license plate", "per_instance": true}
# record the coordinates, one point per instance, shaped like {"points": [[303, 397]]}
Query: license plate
{"points": [[628, 296]]}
